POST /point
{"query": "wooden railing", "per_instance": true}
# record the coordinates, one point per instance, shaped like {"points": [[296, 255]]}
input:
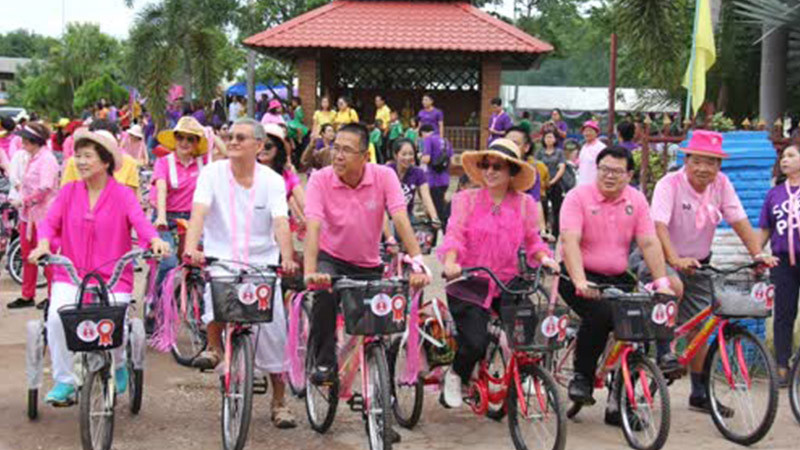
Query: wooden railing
{"points": [[462, 138]]}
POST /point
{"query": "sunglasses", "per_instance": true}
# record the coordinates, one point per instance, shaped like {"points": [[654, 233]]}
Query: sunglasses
{"points": [[180, 137], [496, 166]]}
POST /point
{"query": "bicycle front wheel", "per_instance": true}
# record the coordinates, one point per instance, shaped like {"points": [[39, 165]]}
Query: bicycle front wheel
{"points": [[301, 328], [794, 388], [15, 263], [407, 398], [237, 398], [497, 371], [744, 398], [321, 399], [190, 338], [536, 416], [645, 409], [378, 399], [97, 410]]}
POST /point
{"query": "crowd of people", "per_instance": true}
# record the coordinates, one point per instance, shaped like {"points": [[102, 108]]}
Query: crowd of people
{"points": [[241, 187]]}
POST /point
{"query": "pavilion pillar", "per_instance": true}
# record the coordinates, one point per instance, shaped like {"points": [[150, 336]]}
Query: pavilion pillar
{"points": [[490, 88], [307, 81]]}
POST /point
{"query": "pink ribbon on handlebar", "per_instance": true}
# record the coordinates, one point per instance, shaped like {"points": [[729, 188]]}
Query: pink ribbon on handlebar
{"points": [[412, 355], [296, 369], [167, 317]]}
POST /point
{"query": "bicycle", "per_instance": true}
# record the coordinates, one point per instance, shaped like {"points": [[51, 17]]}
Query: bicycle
{"points": [[520, 387], [241, 298], [372, 309], [92, 329], [11, 246], [636, 384], [737, 360], [794, 387]]}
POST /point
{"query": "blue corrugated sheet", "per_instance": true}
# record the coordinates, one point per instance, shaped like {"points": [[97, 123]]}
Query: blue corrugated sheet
{"points": [[749, 168]]}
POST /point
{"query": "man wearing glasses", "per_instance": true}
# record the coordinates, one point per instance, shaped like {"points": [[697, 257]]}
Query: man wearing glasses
{"points": [[345, 205], [599, 221]]}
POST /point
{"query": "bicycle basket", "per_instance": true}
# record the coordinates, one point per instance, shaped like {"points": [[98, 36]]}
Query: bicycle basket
{"points": [[425, 236], [519, 323], [743, 296], [243, 298], [93, 327], [632, 317], [373, 308]]}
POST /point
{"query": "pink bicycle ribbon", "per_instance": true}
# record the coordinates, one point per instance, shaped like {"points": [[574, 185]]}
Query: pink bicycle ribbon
{"points": [[793, 220], [167, 317], [296, 370], [412, 355]]}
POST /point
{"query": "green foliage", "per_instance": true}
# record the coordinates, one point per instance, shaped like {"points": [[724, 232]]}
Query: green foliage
{"points": [[102, 87], [721, 123], [25, 44]]}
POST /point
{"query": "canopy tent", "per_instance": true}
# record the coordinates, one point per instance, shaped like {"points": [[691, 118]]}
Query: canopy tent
{"points": [[240, 89], [585, 99]]}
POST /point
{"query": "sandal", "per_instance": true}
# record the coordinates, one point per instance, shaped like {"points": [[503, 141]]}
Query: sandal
{"points": [[283, 418], [207, 360]]}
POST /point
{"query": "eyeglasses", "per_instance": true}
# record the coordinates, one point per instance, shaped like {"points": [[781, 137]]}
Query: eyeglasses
{"points": [[239, 137], [345, 150], [606, 171], [192, 139], [269, 146], [496, 166]]}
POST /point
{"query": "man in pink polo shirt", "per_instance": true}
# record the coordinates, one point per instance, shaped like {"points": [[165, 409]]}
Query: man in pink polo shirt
{"points": [[345, 204], [687, 206], [599, 221]]}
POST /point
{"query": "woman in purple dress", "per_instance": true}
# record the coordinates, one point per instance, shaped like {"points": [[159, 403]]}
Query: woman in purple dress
{"points": [[429, 114]]}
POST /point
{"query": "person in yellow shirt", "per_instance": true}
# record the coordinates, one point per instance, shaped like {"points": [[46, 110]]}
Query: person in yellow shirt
{"points": [[323, 115], [127, 175], [382, 113], [345, 114]]}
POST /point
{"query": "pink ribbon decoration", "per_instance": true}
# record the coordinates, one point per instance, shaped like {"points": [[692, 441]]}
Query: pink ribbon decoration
{"points": [[167, 317], [706, 212], [296, 369], [412, 355], [794, 220], [104, 329]]}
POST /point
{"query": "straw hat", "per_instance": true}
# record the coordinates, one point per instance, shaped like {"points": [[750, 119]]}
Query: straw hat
{"points": [[63, 122], [104, 139], [186, 125], [705, 143], [505, 149]]}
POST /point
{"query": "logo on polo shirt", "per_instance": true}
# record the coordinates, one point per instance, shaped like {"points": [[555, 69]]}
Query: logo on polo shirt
{"points": [[595, 211], [372, 204], [686, 206], [629, 210]]}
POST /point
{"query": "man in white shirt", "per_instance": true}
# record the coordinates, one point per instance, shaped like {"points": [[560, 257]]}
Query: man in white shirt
{"points": [[587, 158], [240, 208]]}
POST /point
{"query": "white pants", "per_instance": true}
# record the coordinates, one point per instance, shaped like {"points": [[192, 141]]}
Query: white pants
{"points": [[269, 339], [66, 294]]}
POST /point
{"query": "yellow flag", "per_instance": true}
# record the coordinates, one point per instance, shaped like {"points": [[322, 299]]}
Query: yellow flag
{"points": [[705, 55]]}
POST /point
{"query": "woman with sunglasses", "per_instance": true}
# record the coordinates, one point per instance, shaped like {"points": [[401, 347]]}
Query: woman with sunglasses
{"points": [[175, 179], [275, 156], [38, 188], [489, 224]]}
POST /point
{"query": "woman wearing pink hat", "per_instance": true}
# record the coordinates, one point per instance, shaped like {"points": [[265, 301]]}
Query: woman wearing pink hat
{"points": [[587, 158], [274, 113]]}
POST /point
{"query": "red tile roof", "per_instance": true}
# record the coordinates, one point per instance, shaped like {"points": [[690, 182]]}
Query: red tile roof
{"points": [[442, 26]]}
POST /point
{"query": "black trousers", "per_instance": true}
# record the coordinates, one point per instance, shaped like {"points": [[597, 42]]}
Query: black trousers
{"points": [[787, 283], [323, 310], [555, 197], [437, 195], [596, 319], [472, 334]]}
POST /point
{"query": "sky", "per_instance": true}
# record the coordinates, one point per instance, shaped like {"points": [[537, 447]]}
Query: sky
{"points": [[112, 15]]}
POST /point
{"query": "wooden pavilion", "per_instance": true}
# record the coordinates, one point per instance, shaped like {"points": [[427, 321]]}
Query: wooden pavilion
{"points": [[402, 49]]}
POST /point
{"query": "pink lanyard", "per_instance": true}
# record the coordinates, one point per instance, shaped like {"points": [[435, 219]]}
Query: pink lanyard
{"points": [[244, 255], [794, 220]]}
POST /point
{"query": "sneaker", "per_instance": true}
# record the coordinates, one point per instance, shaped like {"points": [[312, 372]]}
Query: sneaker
{"points": [[42, 305], [451, 391], [323, 375], [121, 380], [62, 394], [668, 363], [703, 405], [21, 303], [581, 389]]}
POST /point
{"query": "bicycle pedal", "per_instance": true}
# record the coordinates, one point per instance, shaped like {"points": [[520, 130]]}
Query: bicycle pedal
{"points": [[356, 403], [260, 387]]}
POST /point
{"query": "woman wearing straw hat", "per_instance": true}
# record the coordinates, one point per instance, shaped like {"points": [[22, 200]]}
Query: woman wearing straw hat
{"points": [[487, 228], [133, 145], [175, 179], [92, 219]]}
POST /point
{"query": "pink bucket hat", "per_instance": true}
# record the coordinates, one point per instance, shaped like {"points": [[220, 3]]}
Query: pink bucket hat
{"points": [[274, 103], [591, 124], [705, 143]]}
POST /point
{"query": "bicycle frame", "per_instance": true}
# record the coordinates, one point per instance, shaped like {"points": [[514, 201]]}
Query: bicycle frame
{"points": [[231, 329], [618, 355]]}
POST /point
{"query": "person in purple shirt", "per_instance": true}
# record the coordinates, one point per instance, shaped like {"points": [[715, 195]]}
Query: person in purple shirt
{"points": [[430, 115], [626, 131], [432, 147], [199, 113], [780, 225], [500, 121], [412, 178]]}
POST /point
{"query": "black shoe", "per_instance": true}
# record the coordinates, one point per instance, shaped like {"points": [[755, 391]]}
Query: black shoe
{"points": [[668, 363], [783, 377], [614, 419], [42, 305], [21, 303], [394, 436], [323, 375], [580, 390], [703, 404]]}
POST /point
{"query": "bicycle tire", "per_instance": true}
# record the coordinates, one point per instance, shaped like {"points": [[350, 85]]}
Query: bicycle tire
{"points": [[794, 388], [33, 404], [378, 412], [533, 372], [235, 438], [92, 438], [406, 417], [299, 391], [733, 334], [14, 265], [656, 383], [495, 349], [190, 327], [326, 396]]}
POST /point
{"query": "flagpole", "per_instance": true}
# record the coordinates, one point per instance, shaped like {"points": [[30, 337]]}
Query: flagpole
{"points": [[688, 114]]}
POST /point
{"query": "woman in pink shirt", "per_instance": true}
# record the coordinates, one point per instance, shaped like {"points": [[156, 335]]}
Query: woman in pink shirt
{"points": [[274, 113], [133, 145], [38, 188], [488, 226], [92, 219], [275, 156]]}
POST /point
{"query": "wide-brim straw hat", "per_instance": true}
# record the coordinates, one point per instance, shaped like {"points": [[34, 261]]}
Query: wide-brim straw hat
{"points": [[505, 149], [705, 143], [186, 125], [104, 139]]}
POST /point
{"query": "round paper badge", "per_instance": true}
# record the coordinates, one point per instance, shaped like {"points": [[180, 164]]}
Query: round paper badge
{"points": [[247, 294], [381, 305], [87, 331]]}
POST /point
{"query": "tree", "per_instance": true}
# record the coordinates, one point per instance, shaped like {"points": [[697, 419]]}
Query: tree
{"points": [[25, 44], [102, 87]]}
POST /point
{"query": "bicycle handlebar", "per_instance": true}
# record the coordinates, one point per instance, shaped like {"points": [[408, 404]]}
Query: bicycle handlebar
{"points": [[467, 272], [69, 266], [708, 268]]}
